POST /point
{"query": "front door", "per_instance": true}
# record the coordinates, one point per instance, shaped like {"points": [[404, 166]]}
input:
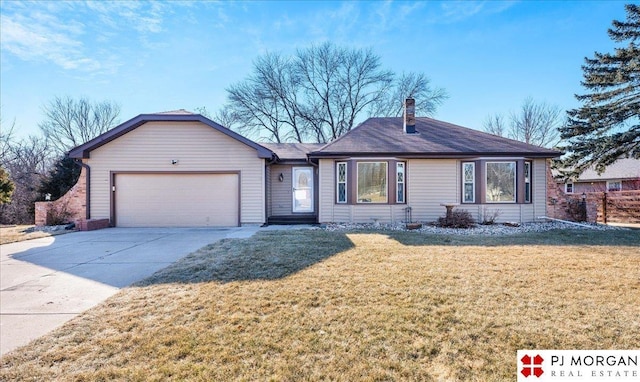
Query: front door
{"points": [[302, 189]]}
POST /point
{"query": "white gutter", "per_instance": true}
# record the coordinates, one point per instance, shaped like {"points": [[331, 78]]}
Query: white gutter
{"points": [[568, 222]]}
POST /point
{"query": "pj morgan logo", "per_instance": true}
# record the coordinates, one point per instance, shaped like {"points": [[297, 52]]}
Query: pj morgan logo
{"points": [[578, 365], [531, 365]]}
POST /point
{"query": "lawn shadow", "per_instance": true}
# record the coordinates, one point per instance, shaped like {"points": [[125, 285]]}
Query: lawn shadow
{"points": [[268, 255]]}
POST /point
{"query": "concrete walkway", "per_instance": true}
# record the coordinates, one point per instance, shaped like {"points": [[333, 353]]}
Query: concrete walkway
{"points": [[46, 282]]}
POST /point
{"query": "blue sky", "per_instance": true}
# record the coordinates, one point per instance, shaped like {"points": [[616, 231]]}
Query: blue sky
{"points": [[157, 56]]}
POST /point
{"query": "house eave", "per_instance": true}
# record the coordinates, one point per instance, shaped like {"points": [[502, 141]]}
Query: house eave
{"points": [[84, 151], [445, 155]]}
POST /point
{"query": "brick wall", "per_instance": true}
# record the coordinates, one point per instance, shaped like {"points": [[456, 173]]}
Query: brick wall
{"points": [[72, 206], [561, 205]]}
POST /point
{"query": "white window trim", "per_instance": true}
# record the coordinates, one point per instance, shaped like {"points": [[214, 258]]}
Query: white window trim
{"points": [[566, 188], [338, 182], [473, 182], [386, 200], [515, 183], [404, 184], [614, 181], [530, 165]]}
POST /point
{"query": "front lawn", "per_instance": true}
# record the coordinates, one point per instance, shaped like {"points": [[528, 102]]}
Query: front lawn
{"points": [[318, 305], [15, 233]]}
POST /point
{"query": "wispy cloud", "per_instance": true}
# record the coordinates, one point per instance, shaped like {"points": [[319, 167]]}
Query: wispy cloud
{"points": [[50, 41], [457, 11], [74, 35], [460, 10]]}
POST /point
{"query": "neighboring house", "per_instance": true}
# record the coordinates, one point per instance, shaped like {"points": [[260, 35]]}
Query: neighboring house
{"points": [[182, 169], [623, 175]]}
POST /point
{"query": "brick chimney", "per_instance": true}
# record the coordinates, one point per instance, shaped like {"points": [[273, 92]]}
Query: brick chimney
{"points": [[410, 116]]}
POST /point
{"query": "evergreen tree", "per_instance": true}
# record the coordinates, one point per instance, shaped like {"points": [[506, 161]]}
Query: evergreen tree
{"points": [[6, 187], [60, 179], [607, 126]]}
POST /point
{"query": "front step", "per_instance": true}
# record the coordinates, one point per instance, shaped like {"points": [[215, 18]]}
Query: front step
{"points": [[292, 219]]}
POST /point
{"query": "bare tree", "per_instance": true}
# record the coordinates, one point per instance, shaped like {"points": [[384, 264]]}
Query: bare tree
{"points": [[202, 110], [536, 123], [414, 85], [338, 85], [495, 124], [224, 117], [266, 102], [27, 163], [320, 93], [6, 139], [69, 122]]}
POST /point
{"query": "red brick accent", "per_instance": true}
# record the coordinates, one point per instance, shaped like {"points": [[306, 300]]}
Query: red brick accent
{"points": [[72, 204], [559, 203], [92, 224]]}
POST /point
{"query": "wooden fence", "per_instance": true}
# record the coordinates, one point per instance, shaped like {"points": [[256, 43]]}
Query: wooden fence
{"points": [[618, 206]]}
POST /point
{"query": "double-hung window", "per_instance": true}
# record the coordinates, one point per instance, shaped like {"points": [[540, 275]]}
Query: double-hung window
{"points": [[468, 182], [400, 185], [527, 182], [501, 182], [341, 182]]}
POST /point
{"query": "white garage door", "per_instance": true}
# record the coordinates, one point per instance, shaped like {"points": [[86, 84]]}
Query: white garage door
{"points": [[176, 200]]}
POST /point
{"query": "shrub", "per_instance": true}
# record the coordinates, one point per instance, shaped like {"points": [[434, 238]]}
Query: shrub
{"points": [[458, 219], [58, 214], [489, 218], [576, 210]]}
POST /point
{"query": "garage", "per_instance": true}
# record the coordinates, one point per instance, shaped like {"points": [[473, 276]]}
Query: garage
{"points": [[176, 200]]}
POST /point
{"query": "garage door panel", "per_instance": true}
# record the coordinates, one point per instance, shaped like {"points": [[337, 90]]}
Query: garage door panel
{"points": [[176, 200]]}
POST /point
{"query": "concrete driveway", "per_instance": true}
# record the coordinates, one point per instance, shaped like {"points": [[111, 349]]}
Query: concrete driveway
{"points": [[46, 282]]}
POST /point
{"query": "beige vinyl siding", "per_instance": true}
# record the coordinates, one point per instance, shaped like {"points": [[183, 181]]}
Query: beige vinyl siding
{"points": [[281, 194], [326, 193], [197, 147], [430, 183], [539, 188]]}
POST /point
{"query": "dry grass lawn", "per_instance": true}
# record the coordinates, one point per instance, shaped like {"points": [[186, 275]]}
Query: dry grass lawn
{"points": [[15, 233], [317, 305]]}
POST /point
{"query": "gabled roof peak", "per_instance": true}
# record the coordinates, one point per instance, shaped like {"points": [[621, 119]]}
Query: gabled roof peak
{"points": [[174, 112], [83, 151]]}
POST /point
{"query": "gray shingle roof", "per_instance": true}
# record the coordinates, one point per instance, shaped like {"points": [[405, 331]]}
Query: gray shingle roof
{"points": [[179, 111], [385, 136], [625, 168], [292, 151]]}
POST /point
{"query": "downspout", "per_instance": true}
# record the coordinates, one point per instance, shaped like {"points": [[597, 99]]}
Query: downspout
{"points": [[88, 189], [311, 163], [274, 159]]}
